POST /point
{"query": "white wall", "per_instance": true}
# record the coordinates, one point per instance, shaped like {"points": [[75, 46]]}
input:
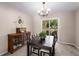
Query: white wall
{"points": [[8, 16], [66, 29]]}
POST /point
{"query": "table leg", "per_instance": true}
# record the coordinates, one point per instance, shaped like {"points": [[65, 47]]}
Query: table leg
{"points": [[50, 54], [27, 49]]}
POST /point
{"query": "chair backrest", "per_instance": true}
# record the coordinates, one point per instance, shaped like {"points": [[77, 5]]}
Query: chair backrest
{"points": [[54, 42], [54, 33], [49, 40], [35, 37], [26, 35]]}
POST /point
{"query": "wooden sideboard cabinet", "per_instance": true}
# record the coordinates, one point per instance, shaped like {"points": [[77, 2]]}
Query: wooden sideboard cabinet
{"points": [[19, 30], [17, 40]]}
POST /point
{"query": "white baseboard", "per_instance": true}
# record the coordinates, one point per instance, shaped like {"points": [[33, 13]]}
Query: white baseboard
{"points": [[2, 53], [77, 47], [66, 43], [72, 44]]}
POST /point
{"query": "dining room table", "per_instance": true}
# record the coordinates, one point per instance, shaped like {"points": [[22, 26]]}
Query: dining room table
{"points": [[45, 44]]}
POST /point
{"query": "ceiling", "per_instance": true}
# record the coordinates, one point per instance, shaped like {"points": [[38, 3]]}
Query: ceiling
{"points": [[32, 7]]}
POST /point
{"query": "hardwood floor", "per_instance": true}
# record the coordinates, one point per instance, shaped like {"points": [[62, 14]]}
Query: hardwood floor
{"points": [[66, 50], [61, 50]]}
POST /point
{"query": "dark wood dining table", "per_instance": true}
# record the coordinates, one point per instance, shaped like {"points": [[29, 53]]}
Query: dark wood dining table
{"points": [[43, 45]]}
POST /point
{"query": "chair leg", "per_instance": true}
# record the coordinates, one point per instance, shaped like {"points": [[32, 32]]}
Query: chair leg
{"points": [[53, 53], [38, 52], [41, 53], [31, 50]]}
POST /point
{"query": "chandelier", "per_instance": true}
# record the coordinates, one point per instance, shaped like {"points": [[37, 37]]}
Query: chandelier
{"points": [[44, 10]]}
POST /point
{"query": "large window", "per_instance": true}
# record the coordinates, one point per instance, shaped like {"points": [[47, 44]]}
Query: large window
{"points": [[50, 26]]}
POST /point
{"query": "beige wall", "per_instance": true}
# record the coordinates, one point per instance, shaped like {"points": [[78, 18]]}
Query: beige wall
{"points": [[66, 31], [67, 27], [77, 29], [8, 16]]}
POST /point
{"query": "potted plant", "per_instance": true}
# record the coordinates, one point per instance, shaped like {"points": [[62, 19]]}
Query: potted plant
{"points": [[42, 35]]}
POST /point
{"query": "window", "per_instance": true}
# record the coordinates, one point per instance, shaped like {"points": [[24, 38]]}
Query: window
{"points": [[50, 26]]}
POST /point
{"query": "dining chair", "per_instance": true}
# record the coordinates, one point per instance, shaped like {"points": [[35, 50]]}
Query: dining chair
{"points": [[35, 49], [44, 51], [54, 33]]}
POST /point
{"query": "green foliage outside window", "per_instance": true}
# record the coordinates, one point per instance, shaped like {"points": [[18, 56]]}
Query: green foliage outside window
{"points": [[53, 23]]}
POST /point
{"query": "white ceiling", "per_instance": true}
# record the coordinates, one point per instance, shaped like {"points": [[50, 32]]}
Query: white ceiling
{"points": [[33, 7]]}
